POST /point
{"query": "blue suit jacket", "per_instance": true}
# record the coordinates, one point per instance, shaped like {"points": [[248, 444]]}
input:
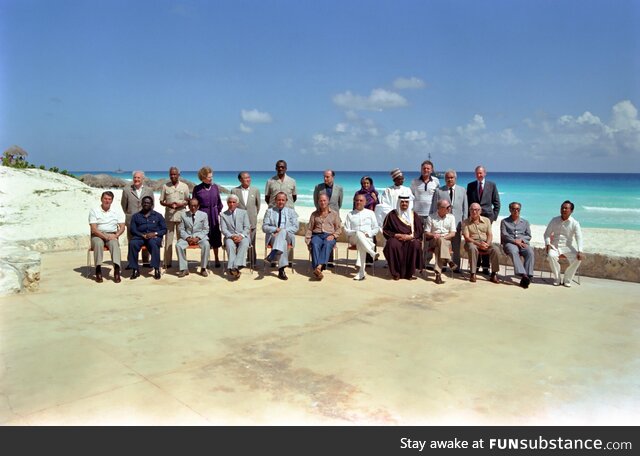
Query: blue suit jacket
{"points": [[270, 222]]}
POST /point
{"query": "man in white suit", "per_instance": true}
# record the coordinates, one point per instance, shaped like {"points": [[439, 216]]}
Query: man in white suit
{"points": [[563, 237], [194, 230], [235, 227], [249, 200], [456, 195], [361, 227], [280, 225]]}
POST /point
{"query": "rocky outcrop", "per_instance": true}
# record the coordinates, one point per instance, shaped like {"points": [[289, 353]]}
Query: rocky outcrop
{"points": [[103, 181], [19, 269]]}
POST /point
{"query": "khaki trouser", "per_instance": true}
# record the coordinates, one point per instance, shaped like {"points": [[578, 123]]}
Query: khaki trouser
{"points": [[473, 251], [442, 251], [98, 249]]}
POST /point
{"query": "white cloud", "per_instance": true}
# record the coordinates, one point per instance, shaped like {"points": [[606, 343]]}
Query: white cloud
{"points": [[378, 100], [287, 143], [625, 117], [408, 83], [255, 116], [341, 127], [186, 134], [245, 129]]}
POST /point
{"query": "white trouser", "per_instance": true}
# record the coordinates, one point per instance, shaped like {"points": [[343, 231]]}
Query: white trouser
{"points": [[554, 256], [364, 245]]}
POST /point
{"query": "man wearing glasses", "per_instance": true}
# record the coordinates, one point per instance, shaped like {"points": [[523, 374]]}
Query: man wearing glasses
{"points": [[515, 236], [456, 195], [439, 230], [479, 242]]}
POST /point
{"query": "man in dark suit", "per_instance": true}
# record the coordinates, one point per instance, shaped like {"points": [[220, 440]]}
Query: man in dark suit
{"points": [[457, 198], [485, 193]]}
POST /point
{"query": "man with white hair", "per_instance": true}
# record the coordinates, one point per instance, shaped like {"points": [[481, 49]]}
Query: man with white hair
{"points": [[235, 226], [131, 202], [280, 226], [361, 228], [193, 230], [439, 230], [456, 195], [479, 242]]}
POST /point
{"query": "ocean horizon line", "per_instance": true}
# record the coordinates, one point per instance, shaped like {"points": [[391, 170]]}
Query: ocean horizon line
{"points": [[353, 171]]}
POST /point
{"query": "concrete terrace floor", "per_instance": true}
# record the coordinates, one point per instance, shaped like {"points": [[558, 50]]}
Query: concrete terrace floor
{"points": [[201, 351]]}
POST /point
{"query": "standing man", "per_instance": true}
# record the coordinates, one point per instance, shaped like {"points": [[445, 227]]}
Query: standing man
{"points": [[249, 200], [439, 230], [194, 230], [331, 189], [235, 226], [403, 231], [515, 237], [107, 225], [559, 239], [423, 188], [389, 198], [459, 207], [485, 193], [131, 203], [280, 225], [281, 183], [361, 227], [174, 196], [478, 241], [147, 229]]}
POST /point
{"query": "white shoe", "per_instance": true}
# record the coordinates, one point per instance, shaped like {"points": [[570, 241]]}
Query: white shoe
{"points": [[359, 277], [556, 283], [567, 284]]}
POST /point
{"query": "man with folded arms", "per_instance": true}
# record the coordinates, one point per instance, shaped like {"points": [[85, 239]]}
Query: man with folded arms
{"points": [[322, 232], [107, 225], [174, 196], [478, 238], [235, 227], [559, 239], [280, 225], [193, 230], [147, 228], [515, 236], [361, 228], [439, 230]]}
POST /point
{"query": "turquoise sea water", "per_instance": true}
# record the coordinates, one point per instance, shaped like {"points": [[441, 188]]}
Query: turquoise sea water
{"points": [[602, 200]]}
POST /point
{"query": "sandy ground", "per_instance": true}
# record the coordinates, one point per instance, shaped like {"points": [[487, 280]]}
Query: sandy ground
{"points": [[261, 351]]}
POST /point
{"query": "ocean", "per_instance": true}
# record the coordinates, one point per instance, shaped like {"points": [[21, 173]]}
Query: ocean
{"points": [[601, 200]]}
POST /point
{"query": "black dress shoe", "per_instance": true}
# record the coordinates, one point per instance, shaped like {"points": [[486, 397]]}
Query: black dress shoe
{"points": [[135, 274], [217, 264], [116, 275], [525, 281], [485, 271], [98, 277], [156, 274], [282, 275]]}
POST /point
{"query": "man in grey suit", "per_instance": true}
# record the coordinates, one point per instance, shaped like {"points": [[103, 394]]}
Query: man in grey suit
{"points": [[331, 189], [193, 230], [249, 200], [131, 203], [235, 226], [485, 193], [457, 198], [280, 225]]}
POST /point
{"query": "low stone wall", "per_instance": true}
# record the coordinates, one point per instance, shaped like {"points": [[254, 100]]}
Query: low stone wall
{"points": [[19, 269]]}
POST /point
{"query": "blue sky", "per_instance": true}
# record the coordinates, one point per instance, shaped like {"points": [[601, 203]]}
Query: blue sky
{"points": [[519, 85]]}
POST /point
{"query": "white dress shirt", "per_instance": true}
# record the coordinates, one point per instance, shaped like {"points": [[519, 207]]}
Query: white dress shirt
{"points": [[363, 221], [561, 234], [442, 226], [106, 221]]}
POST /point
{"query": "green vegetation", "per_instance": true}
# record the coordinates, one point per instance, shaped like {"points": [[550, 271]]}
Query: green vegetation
{"points": [[16, 157]]}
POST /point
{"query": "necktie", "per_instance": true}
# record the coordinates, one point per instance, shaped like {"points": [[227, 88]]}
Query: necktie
{"points": [[279, 217], [451, 195], [480, 189]]}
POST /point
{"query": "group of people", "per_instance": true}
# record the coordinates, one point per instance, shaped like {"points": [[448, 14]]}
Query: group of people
{"points": [[418, 223]]}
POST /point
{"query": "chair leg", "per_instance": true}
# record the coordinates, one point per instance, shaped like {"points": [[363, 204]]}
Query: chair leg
{"points": [[89, 264]]}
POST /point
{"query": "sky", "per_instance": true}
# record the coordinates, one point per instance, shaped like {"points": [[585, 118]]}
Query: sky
{"points": [[518, 85]]}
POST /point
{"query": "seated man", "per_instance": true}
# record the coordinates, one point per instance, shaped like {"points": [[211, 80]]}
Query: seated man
{"points": [[236, 228], [403, 229], [361, 227], [515, 236], [478, 238], [147, 228], [280, 225], [322, 232], [107, 225], [193, 230], [559, 238], [439, 231]]}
